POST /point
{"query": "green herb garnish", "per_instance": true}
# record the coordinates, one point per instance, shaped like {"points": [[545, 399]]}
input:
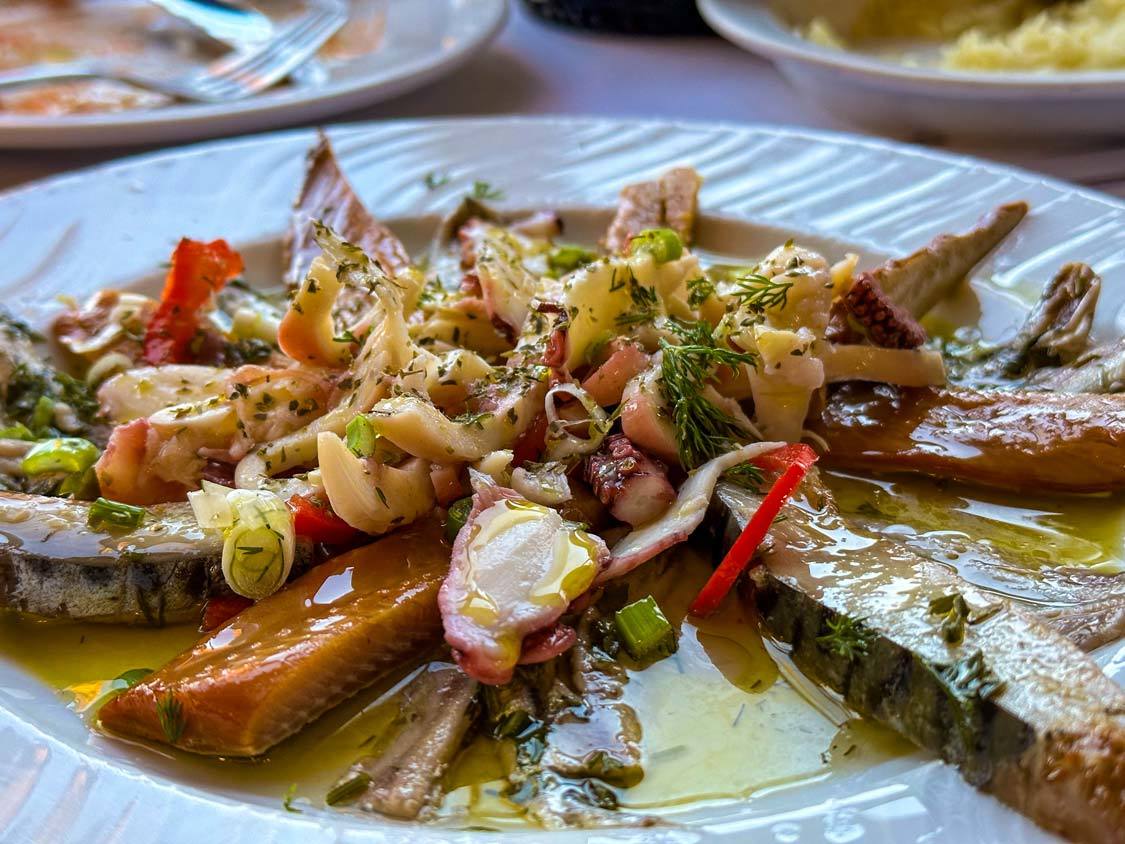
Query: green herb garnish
{"points": [[484, 190], [435, 180], [745, 475], [699, 290], [703, 431], [846, 637], [170, 714], [757, 293]]}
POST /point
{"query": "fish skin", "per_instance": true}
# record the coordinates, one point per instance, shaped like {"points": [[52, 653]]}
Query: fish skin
{"points": [[1050, 743], [291, 657], [1004, 439]]}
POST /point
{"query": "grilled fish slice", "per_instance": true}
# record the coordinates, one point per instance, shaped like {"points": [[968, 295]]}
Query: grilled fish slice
{"points": [[291, 657], [1011, 440], [53, 565], [1015, 706]]}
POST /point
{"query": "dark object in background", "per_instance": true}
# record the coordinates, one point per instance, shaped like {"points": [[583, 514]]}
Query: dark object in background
{"points": [[638, 17]]}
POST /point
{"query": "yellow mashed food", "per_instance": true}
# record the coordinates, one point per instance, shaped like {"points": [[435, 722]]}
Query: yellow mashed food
{"points": [[1014, 35]]}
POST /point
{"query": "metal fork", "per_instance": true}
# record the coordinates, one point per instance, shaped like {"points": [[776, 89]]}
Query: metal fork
{"points": [[232, 77]]}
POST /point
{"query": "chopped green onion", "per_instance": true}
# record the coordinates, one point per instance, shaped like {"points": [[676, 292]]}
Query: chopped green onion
{"points": [[457, 516], [104, 512], [348, 789], [663, 244], [62, 454], [361, 436], [19, 431], [564, 259], [43, 414], [259, 547], [644, 629]]}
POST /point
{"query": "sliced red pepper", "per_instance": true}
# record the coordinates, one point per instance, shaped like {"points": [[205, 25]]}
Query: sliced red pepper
{"points": [[220, 609], [780, 459], [314, 519], [530, 444], [797, 459], [198, 271]]}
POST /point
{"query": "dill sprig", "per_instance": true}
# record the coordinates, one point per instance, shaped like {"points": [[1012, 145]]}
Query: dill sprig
{"points": [[703, 431], [756, 292], [484, 190], [170, 714], [700, 289], [846, 637], [745, 475], [645, 301]]}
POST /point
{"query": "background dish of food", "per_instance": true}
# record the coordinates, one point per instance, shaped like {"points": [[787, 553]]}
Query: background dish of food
{"points": [[386, 48], [888, 96], [113, 226]]}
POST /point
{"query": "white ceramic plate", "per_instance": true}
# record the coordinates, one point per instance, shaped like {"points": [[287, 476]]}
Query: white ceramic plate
{"points": [[892, 98], [115, 224], [423, 40]]}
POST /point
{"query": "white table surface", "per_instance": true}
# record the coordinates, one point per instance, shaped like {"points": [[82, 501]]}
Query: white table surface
{"points": [[538, 68]]}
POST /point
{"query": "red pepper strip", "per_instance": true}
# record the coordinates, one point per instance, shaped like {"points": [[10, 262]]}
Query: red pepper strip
{"points": [[198, 271], [315, 520], [220, 609], [800, 459], [780, 459]]}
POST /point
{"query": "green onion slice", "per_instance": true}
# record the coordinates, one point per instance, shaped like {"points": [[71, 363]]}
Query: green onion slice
{"points": [[19, 431], [457, 516], [104, 512], [361, 436], [565, 259], [644, 629], [663, 244], [260, 545], [62, 454]]}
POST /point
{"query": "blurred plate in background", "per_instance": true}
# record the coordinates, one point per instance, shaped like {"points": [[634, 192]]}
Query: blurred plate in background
{"points": [[389, 47], [894, 98]]}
